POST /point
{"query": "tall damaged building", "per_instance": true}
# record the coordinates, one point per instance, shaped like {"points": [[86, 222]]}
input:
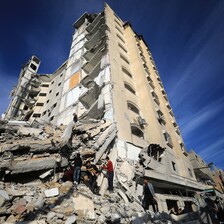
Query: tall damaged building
{"points": [[110, 77]]}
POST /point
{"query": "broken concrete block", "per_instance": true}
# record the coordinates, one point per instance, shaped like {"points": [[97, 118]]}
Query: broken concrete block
{"points": [[51, 192], [124, 197], [27, 131], [45, 174], [127, 170], [84, 205], [40, 201], [50, 215], [71, 219]]}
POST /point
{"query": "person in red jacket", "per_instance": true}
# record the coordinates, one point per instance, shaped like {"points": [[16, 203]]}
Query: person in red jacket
{"points": [[110, 173]]}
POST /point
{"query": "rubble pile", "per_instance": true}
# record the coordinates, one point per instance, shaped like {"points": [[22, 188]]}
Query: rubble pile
{"points": [[34, 158]]}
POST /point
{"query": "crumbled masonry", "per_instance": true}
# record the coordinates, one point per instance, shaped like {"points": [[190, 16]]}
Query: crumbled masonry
{"points": [[33, 159]]}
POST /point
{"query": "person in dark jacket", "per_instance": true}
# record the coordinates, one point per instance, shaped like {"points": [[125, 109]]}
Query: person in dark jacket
{"points": [[77, 170], [92, 173], [149, 197]]}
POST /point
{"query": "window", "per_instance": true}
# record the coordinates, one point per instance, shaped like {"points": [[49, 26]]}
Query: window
{"points": [[133, 108], [126, 72], [39, 104], [124, 58], [61, 75], [171, 113], [168, 106], [43, 94], [155, 97], [122, 47], [117, 22], [137, 132], [120, 38], [44, 113], [50, 91], [168, 139], [59, 84], [51, 118], [45, 85], [34, 67], [36, 115], [128, 87], [35, 59], [190, 172], [54, 105], [57, 93], [117, 16], [161, 118], [52, 82], [174, 166], [47, 101], [119, 30]]}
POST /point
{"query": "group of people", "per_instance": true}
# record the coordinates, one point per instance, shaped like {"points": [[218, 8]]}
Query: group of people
{"points": [[88, 173]]}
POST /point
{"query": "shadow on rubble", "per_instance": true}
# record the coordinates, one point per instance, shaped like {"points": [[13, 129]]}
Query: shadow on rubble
{"points": [[45, 208]]}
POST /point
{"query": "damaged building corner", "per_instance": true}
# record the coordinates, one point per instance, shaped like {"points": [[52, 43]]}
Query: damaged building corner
{"points": [[110, 81]]}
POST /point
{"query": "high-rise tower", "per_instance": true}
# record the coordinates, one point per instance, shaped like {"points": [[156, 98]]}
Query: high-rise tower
{"points": [[110, 74]]}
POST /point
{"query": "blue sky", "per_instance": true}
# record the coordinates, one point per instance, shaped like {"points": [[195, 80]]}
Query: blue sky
{"points": [[186, 39]]}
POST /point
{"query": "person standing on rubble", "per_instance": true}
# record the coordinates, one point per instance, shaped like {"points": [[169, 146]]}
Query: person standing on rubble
{"points": [[77, 170], [92, 173], [110, 173], [149, 197]]}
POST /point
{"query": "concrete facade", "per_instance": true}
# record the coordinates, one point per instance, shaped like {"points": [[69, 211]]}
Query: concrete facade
{"points": [[110, 74]]}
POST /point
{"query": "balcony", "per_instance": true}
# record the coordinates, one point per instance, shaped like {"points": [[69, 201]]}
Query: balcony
{"points": [[90, 53], [96, 39], [33, 91], [100, 31], [98, 20], [90, 65]]}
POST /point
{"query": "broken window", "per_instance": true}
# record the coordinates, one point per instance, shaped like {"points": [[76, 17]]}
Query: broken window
{"points": [[161, 118], [128, 87], [137, 131], [34, 67], [126, 72], [156, 151], [35, 59], [133, 108]]}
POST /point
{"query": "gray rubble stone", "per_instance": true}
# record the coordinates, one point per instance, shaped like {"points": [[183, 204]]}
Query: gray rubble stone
{"points": [[50, 215], [71, 219]]}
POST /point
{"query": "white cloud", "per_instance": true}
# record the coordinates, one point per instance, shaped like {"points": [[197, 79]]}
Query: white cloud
{"points": [[201, 117], [214, 150]]}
